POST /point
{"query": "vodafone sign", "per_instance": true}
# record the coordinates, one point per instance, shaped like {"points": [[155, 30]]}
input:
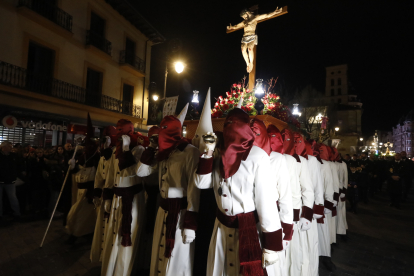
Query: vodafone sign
{"points": [[11, 122]]}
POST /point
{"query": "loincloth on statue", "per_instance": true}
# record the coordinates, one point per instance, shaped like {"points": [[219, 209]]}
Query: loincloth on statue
{"points": [[249, 39]]}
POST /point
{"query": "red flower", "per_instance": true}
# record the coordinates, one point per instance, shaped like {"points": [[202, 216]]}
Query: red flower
{"points": [[228, 94], [239, 86], [217, 104], [236, 96], [248, 90], [222, 102], [230, 102], [225, 107], [234, 84]]}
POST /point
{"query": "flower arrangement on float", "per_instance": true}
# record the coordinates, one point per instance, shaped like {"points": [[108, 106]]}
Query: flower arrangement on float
{"points": [[237, 91], [271, 102]]}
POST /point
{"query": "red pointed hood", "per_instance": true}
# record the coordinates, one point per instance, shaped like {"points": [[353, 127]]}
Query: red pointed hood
{"points": [[111, 132], [153, 130], [300, 146], [275, 138], [322, 150], [238, 140], [261, 140], [331, 153], [169, 136], [309, 150], [288, 142], [123, 127]]}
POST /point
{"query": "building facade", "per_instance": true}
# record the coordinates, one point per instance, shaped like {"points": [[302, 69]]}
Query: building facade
{"points": [[403, 134], [60, 60], [345, 109]]}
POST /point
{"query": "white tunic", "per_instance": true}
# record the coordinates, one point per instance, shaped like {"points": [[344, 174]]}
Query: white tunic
{"points": [[324, 239], [312, 234], [122, 261], [308, 199], [175, 176], [99, 236], [249, 189], [280, 173], [294, 248], [335, 182], [342, 225]]}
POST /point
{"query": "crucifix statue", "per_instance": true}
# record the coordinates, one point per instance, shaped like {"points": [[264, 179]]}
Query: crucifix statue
{"points": [[249, 40]]}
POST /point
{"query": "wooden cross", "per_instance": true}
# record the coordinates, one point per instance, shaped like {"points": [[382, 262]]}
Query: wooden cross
{"points": [[252, 74]]}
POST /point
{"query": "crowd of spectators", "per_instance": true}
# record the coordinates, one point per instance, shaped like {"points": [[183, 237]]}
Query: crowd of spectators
{"points": [[368, 174], [32, 178]]}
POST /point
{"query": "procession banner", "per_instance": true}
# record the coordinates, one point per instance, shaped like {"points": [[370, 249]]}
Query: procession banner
{"points": [[169, 106]]}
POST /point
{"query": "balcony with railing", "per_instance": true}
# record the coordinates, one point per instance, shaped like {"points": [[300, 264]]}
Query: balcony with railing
{"points": [[98, 41], [51, 12], [128, 59], [15, 76]]}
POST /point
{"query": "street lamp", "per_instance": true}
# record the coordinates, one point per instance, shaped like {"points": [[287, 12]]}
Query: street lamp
{"points": [[361, 139], [155, 97], [179, 68], [337, 129]]}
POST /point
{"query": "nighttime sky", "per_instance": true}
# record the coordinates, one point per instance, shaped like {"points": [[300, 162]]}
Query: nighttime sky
{"points": [[373, 37]]}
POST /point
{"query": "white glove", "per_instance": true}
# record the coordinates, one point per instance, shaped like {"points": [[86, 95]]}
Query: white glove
{"points": [[107, 142], [317, 216], [342, 195], [304, 224], [97, 201], [285, 244], [327, 211], [269, 257], [108, 204], [188, 236], [335, 203], [72, 164], [126, 140], [210, 145]]}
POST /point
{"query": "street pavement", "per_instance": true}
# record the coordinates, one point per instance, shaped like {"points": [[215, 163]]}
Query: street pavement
{"points": [[380, 242]]}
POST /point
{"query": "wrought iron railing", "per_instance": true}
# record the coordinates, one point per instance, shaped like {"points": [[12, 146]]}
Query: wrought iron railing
{"points": [[50, 12], [126, 57], [13, 75], [98, 41]]}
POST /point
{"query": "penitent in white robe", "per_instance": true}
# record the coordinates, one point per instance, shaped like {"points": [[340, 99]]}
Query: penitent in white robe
{"points": [[342, 225], [312, 234], [308, 199], [324, 238], [176, 180], [123, 261], [280, 174], [247, 190], [99, 234], [335, 182]]}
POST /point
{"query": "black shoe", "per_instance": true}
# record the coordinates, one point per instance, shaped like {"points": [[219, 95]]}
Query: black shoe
{"points": [[326, 261], [72, 239]]}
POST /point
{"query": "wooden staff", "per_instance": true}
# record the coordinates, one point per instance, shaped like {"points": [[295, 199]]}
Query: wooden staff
{"points": [[61, 190]]}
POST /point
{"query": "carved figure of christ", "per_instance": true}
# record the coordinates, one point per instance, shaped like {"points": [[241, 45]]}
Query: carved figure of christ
{"points": [[249, 39]]}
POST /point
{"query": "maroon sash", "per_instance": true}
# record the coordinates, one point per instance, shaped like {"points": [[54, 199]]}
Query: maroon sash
{"points": [[173, 206], [127, 195]]}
